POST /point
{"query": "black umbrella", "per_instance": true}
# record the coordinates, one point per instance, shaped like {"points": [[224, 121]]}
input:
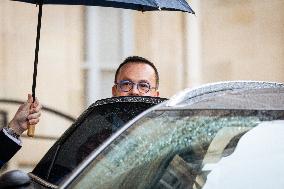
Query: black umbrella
{"points": [[140, 5]]}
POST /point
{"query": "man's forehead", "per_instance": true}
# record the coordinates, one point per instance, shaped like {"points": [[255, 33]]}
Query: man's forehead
{"points": [[136, 71]]}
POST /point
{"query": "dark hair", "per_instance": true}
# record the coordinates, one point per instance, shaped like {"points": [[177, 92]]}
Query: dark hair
{"points": [[135, 60]]}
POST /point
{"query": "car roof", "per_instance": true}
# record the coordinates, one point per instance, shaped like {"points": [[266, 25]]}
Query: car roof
{"points": [[231, 95]]}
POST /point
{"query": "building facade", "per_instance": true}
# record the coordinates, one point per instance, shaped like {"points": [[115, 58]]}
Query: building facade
{"points": [[81, 47]]}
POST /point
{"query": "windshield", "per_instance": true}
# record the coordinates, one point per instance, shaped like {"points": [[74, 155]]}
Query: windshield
{"points": [[171, 148]]}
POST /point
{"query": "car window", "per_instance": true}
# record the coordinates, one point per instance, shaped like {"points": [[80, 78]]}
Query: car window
{"points": [[91, 129], [171, 149], [256, 163]]}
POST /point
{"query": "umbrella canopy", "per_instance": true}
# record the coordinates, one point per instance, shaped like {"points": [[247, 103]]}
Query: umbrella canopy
{"points": [[142, 5]]}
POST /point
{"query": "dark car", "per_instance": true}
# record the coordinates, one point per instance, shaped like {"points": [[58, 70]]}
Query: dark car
{"points": [[215, 136]]}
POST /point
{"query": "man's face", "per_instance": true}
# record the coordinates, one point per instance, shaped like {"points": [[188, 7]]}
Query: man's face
{"points": [[136, 73]]}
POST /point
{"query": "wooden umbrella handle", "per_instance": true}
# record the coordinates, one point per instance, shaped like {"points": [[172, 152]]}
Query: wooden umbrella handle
{"points": [[31, 130]]}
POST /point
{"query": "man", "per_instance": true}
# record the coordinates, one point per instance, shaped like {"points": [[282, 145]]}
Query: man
{"points": [[136, 76], [27, 114]]}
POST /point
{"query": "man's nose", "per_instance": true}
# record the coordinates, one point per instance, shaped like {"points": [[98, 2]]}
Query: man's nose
{"points": [[135, 91]]}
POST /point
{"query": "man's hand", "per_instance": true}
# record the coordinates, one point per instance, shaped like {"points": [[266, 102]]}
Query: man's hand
{"points": [[27, 114]]}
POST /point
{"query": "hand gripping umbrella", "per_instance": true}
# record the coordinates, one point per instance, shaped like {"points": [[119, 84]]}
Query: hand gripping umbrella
{"points": [[140, 5]]}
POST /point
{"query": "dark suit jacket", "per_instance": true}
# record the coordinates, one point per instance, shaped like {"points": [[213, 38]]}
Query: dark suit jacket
{"points": [[8, 148]]}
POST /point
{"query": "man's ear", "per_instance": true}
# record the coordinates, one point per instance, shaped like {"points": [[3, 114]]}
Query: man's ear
{"points": [[155, 93], [158, 93], [113, 89]]}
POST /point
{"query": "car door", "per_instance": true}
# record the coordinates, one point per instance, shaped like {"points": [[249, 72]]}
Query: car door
{"points": [[89, 131]]}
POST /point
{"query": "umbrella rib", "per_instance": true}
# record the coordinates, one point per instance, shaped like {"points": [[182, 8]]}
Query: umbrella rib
{"points": [[158, 6]]}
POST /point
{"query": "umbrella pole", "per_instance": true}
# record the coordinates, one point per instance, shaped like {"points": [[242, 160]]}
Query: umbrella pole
{"points": [[31, 128]]}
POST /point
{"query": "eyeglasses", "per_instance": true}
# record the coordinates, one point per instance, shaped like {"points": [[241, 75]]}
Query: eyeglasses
{"points": [[126, 86]]}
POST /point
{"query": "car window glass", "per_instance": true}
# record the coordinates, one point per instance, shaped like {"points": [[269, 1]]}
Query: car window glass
{"points": [[258, 157], [171, 148], [88, 132]]}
